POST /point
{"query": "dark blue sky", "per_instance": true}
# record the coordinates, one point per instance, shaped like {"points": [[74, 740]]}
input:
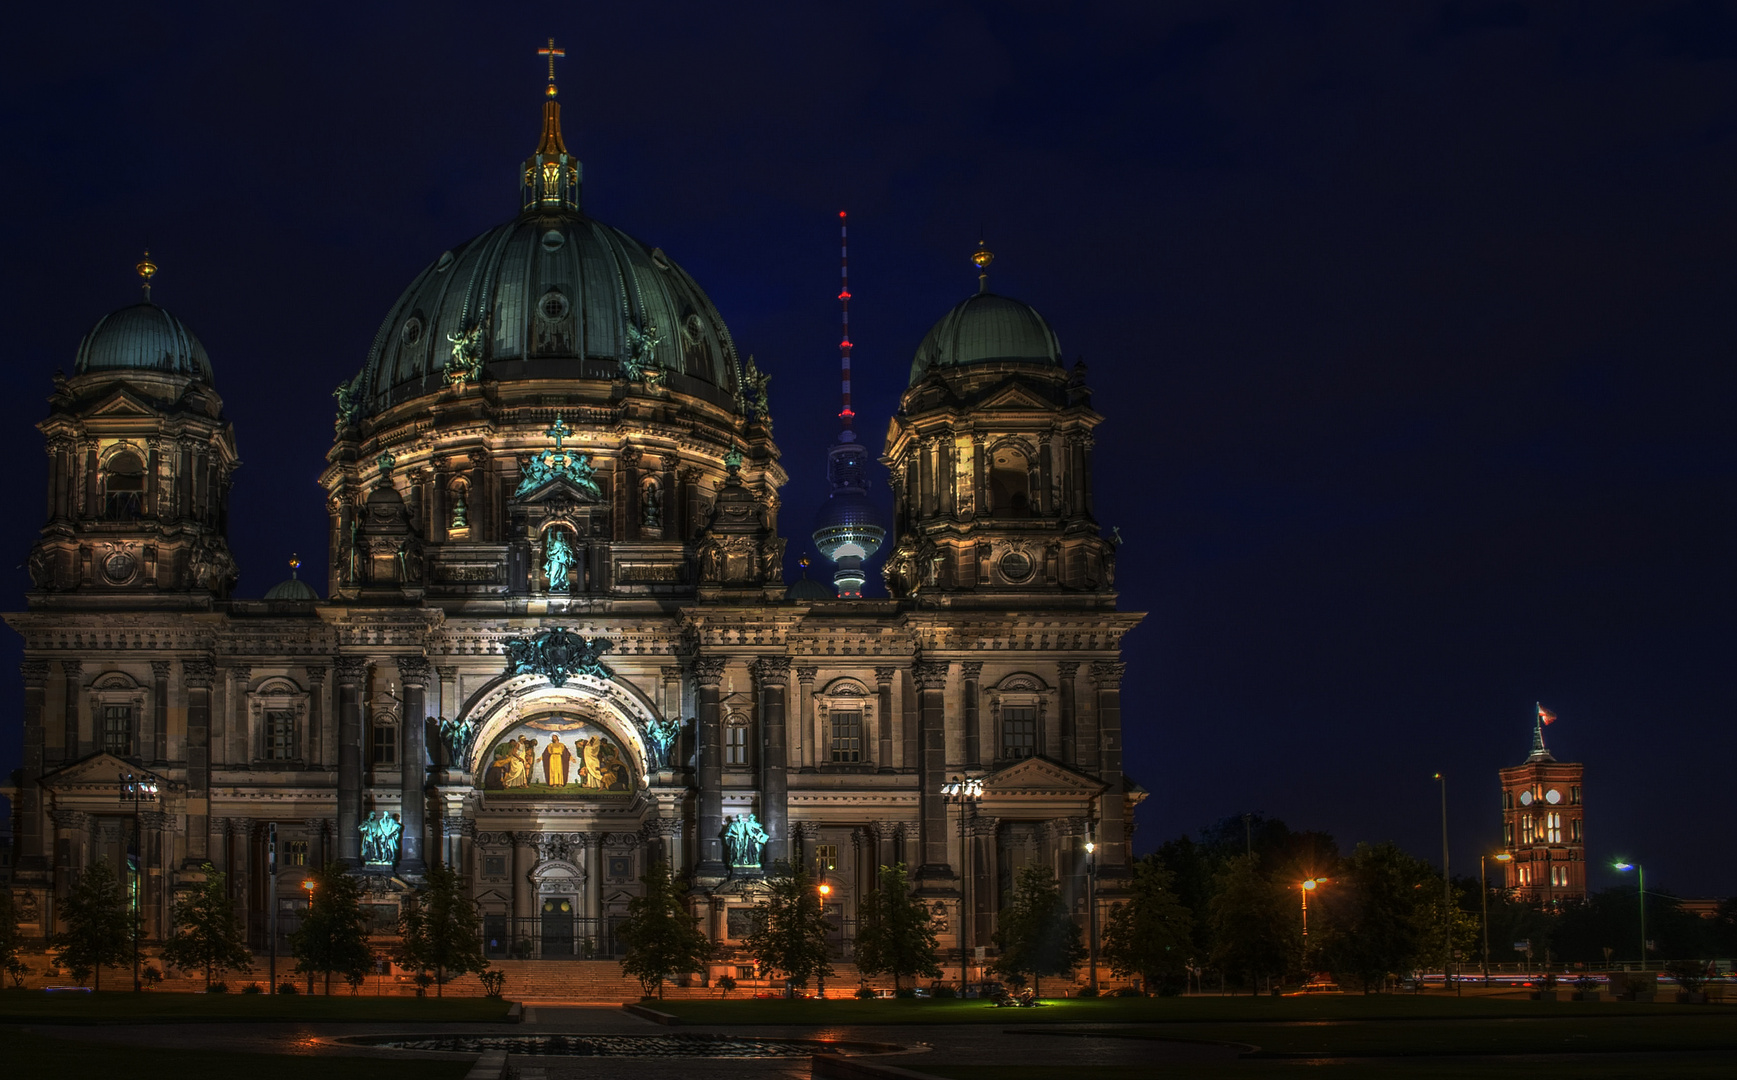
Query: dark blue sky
{"points": [[1412, 322]]}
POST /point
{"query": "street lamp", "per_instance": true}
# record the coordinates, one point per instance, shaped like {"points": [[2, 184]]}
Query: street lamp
{"points": [[1641, 875], [1308, 886], [1447, 893], [308, 884], [964, 791], [1092, 909], [136, 790], [1484, 896], [825, 891]]}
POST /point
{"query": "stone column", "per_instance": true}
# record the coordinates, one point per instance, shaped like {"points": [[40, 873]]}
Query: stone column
{"points": [[198, 675], [772, 676], [980, 477], [413, 672], [803, 837], [668, 484], [70, 827], [352, 673], [934, 874], [71, 750], [32, 857], [806, 734], [1069, 742], [160, 711], [524, 857], [884, 717], [708, 673], [319, 739], [241, 744], [1086, 442], [1107, 679], [948, 474], [969, 673]]}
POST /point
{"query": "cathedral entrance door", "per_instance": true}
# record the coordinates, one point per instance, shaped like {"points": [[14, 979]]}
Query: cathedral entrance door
{"points": [[557, 928]]}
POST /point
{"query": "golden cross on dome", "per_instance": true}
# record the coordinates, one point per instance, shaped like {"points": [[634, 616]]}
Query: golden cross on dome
{"points": [[551, 52], [147, 270]]}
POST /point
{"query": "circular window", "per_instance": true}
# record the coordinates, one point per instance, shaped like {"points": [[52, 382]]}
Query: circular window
{"points": [[693, 329], [1015, 566], [1552, 796], [1525, 798], [553, 239], [412, 332], [119, 567], [553, 306], [445, 262]]}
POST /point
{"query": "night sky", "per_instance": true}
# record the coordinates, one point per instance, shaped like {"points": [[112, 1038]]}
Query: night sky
{"points": [[1412, 324]]}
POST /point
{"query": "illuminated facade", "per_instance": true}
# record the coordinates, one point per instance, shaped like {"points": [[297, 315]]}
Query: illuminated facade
{"points": [[1543, 827], [556, 641]]}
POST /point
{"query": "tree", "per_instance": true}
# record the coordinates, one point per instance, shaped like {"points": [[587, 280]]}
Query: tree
{"points": [[1151, 933], [1376, 914], [333, 937], [661, 936], [1036, 935], [894, 932], [791, 937], [1253, 926], [10, 940], [99, 927], [438, 929], [207, 935]]}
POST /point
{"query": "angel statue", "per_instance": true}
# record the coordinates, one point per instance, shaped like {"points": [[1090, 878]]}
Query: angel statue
{"points": [[754, 383], [457, 735], [641, 364], [663, 733], [465, 364]]}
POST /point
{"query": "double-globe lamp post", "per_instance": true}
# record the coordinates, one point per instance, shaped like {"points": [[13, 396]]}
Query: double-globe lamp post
{"points": [[1641, 877], [964, 791]]}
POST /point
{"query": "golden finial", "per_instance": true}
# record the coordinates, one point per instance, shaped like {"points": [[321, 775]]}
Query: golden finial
{"points": [[551, 52], [982, 257], [295, 564], [147, 270], [803, 562]]}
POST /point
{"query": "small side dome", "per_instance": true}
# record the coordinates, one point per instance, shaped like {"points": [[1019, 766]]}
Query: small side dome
{"points": [[805, 589], [142, 337], [987, 329], [294, 588]]}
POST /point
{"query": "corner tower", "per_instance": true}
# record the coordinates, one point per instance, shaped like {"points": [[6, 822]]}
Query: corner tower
{"points": [[991, 461], [140, 458]]}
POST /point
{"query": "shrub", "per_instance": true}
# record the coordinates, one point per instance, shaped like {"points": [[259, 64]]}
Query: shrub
{"points": [[944, 992], [217, 988], [150, 976], [253, 988], [726, 983], [1089, 992], [287, 987], [493, 982], [1690, 975], [1126, 991], [905, 992], [865, 993]]}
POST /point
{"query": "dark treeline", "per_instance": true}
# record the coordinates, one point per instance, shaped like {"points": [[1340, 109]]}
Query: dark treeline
{"points": [[1375, 916]]}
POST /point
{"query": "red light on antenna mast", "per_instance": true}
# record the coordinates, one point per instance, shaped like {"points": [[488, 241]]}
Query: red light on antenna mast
{"points": [[844, 296], [841, 213]]}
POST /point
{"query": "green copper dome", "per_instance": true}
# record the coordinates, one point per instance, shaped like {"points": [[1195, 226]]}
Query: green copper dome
{"points": [[142, 337], [987, 329]]}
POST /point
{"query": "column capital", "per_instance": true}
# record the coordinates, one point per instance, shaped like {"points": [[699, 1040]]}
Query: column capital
{"points": [[771, 670], [446, 672], [413, 669], [160, 670], [1065, 669], [350, 669], [671, 671], [35, 672], [930, 674], [316, 674], [241, 673], [71, 668], [199, 673], [708, 670], [971, 669], [885, 675], [1107, 674], [806, 673], [69, 819]]}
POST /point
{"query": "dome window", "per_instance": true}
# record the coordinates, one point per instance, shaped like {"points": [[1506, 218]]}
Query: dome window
{"points": [[552, 240], [412, 332], [124, 487]]}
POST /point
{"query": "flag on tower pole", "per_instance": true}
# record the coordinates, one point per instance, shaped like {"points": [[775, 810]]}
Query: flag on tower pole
{"points": [[1545, 716]]}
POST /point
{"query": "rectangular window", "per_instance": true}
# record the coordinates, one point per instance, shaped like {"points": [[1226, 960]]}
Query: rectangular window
{"points": [[280, 734], [1018, 731], [295, 853], [494, 866], [736, 744], [1508, 835], [1507, 800], [846, 735], [1574, 831], [118, 730], [385, 744], [1574, 794], [1528, 831], [825, 857]]}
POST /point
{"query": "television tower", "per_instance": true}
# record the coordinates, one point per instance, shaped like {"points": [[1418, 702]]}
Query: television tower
{"points": [[848, 531]]}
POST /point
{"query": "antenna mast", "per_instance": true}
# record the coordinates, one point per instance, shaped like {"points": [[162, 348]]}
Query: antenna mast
{"points": [[845, 414]]}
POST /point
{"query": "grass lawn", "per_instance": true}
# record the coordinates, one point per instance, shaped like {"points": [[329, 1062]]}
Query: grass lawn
{"points": [[151, 1007], [1164, 1011], [31, 1056], [1700, 1067]]}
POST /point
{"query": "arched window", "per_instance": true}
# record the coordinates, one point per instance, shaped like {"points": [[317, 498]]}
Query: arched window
{"points": [[123, 487], [1009, 482]]}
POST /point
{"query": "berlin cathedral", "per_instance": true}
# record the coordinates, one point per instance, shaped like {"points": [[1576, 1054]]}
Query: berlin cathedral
{"points": [[556, 642]]}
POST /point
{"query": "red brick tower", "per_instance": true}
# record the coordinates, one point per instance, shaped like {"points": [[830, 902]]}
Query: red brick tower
{"points": [[1541, 824]]}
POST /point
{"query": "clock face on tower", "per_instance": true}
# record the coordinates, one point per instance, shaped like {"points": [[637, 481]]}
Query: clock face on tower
{"points": [[1552, 796], [1525, 798]]}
